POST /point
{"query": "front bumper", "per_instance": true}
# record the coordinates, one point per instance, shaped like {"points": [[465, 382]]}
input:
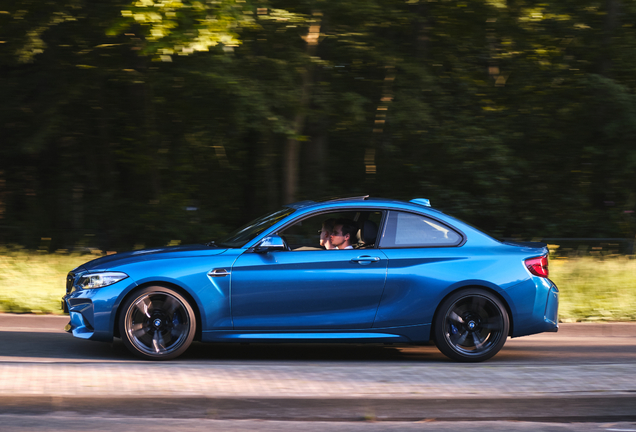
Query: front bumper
{"points": [[79, 325], [91, 311], [81, 311]]}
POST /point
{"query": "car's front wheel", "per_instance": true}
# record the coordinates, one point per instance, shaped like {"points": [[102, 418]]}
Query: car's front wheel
{"points": [[471, 325], [157, 323]]}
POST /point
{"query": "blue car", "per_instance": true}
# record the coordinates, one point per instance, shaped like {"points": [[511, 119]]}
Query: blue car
{"points": [[403, 273]]}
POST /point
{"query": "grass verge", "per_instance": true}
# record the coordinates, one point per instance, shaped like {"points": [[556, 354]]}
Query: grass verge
{"points": [[33, 282], [591, 289]]}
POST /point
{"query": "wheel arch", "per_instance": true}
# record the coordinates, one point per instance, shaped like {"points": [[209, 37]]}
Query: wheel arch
{"points": [[175, 287], [490, 290]]}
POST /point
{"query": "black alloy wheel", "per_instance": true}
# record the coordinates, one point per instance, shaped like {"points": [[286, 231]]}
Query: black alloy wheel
{"points": [[157, 323], [471, 326]]}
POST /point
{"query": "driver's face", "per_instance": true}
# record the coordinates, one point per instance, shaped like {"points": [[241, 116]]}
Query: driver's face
{"points": [[336, 236]]}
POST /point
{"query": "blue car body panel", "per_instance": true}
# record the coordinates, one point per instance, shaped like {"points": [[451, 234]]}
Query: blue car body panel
{"points": [[311, 290], [387, 295]]}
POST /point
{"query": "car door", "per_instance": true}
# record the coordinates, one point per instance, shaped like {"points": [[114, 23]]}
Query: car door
{"points": [[307, 290], [424, 259]]}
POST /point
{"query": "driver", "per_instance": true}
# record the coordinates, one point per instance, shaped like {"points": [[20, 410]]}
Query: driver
{"points": [[344, 231]]}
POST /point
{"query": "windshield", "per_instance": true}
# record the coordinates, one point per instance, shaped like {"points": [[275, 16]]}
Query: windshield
{"points": [[241, 236]]}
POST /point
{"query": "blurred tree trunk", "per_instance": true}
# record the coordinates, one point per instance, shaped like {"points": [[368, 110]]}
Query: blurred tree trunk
{"points": [[252, 175], [315, 177], [271, 176], [423, 25], [610, 27], [152, 137], [148, 119], [292, 147]]}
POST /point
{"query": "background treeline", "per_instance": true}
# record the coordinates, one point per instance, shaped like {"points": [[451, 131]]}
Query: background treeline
{"points": [[158, 120]]}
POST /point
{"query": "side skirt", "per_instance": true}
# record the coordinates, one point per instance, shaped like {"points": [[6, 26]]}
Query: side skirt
{"points": [[409, 334]]}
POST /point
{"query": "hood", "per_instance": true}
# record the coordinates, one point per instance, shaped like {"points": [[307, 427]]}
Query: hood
{"points": [[115, 260]]}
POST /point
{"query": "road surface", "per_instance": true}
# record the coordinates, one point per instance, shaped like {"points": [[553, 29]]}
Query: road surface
{"points": [[583, 373]]}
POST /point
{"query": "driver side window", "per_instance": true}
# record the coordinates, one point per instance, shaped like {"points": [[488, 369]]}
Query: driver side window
{"points": [[313, 232]]}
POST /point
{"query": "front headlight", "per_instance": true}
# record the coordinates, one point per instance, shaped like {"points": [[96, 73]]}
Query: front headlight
{"points": [[99, 280]]}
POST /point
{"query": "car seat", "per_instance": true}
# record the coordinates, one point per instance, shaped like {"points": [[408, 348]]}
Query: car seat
{"points": [[367, 234]]}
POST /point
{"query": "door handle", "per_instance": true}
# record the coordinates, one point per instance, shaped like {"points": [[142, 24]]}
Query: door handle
{"points": [[219, 272], [365, 260]]}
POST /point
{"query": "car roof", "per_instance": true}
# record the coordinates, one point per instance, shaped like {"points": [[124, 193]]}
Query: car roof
{"points": [[417, 205], [363, 201]]}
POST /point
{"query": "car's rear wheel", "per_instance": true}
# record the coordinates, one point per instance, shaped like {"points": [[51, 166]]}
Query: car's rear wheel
{"points": [[471, 325], [157, 323]]}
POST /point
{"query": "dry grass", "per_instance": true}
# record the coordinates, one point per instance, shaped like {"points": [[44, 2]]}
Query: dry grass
{"points": [[594, 289], [32, 282]]}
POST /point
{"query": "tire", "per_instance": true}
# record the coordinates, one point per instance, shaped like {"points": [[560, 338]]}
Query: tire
{"points": [[157, 323], [471, 325]]}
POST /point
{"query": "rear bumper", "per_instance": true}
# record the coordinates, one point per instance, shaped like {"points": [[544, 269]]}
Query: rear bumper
{"points": [[535, 308], [551, 317]]}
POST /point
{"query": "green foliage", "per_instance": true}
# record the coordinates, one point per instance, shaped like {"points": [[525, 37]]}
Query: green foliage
{"points": [[175, 27], [149, 121]]}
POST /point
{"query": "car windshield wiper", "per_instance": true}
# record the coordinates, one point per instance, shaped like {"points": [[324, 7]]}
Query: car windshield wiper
{"points": [[211, 243]]}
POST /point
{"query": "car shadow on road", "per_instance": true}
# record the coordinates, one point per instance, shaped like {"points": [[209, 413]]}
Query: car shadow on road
{"points": [[49, 345], [62, 346], [313, 352]]}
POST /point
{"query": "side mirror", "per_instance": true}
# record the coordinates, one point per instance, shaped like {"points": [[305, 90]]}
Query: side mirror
{"points": [[270, 244]]}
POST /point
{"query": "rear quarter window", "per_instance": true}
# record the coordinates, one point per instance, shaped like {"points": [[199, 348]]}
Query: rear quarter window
{"points": [[413, 230]]}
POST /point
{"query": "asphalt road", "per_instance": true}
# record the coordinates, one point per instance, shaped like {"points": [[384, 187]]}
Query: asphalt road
{"points": [[30, 338], [583, 373], [67, 423]]}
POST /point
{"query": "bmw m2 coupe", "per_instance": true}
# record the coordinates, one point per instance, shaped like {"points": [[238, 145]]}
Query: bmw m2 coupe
{"points": [[354, 270]]}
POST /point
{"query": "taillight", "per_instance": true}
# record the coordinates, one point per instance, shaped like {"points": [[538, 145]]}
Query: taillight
{"points": [[538, 266]]}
